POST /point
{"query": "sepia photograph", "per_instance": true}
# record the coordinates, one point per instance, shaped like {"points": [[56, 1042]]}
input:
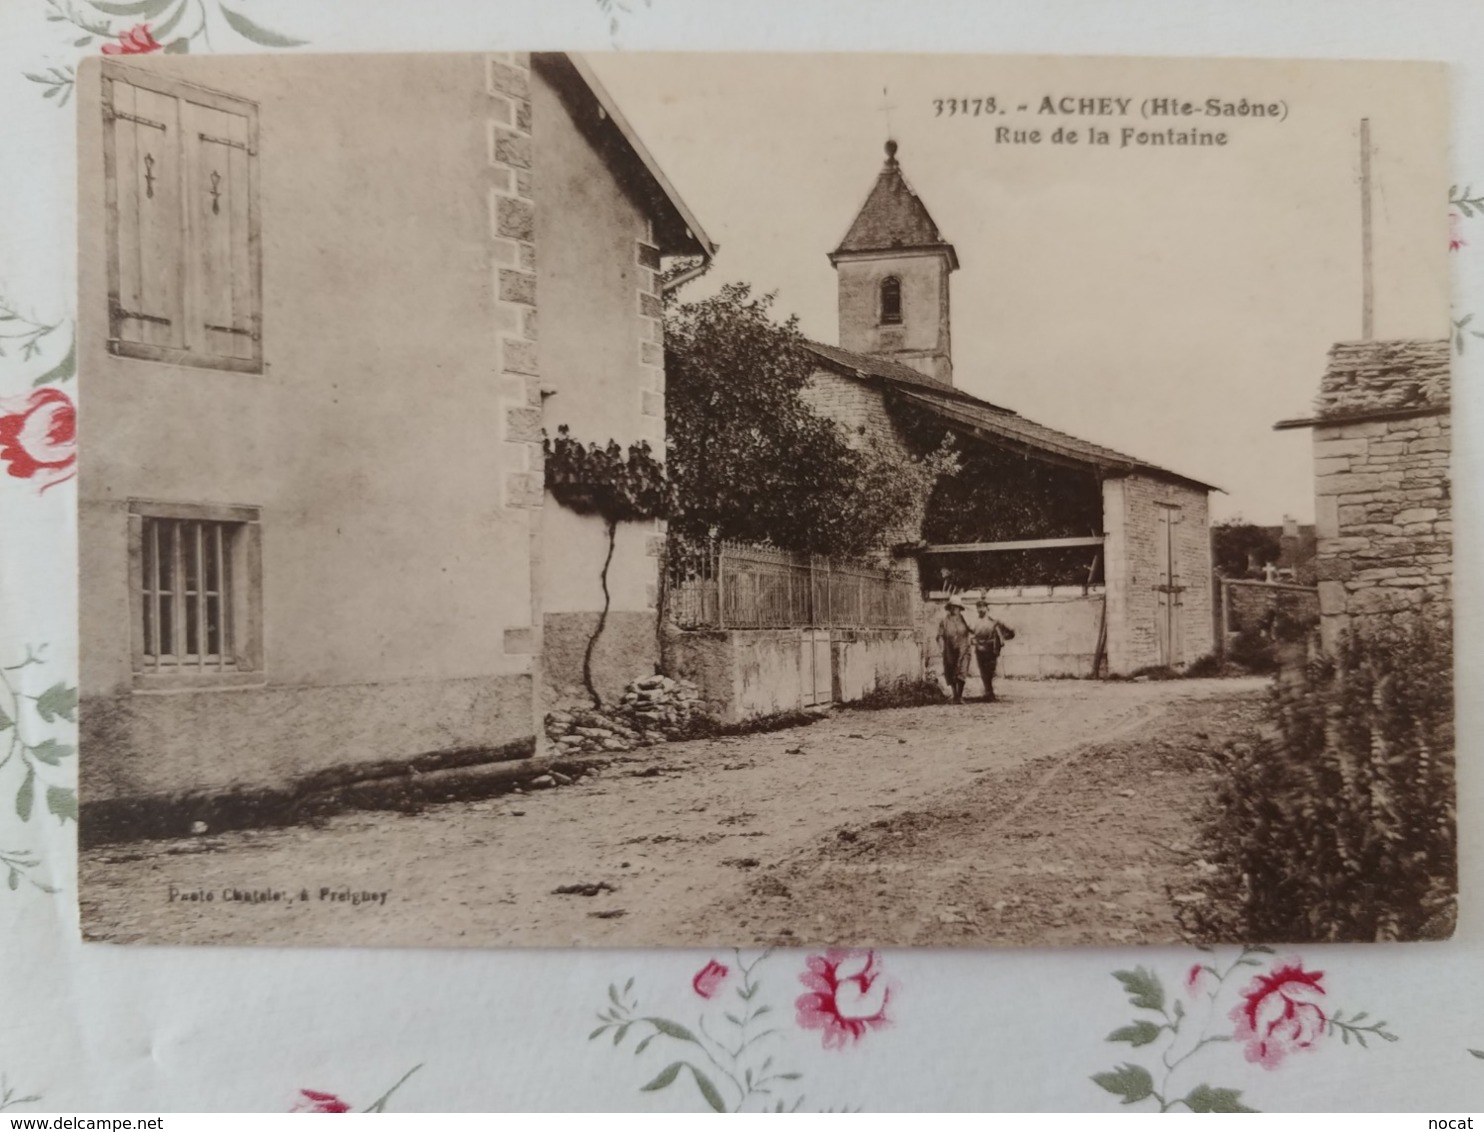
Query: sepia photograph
{"points": [[662, 500]]}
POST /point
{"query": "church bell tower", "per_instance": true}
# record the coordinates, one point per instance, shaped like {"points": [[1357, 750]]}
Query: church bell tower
{"points": [[892, 269]]}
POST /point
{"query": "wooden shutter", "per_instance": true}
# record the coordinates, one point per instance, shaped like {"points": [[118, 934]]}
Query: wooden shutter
{"points": [[145, 217], [185, 275], [224, 300]]}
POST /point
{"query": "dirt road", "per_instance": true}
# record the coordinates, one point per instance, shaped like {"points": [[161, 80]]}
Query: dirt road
{"points": [[1059, 815]]}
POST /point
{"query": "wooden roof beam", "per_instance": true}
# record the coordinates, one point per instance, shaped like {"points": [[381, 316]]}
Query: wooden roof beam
{"points": [[1013, 544]]}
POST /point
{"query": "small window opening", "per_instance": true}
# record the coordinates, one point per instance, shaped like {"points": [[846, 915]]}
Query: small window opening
{"points": [[891, 300]]}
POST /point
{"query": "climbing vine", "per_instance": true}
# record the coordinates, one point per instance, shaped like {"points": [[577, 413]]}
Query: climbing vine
{"points": [[603, 480]]}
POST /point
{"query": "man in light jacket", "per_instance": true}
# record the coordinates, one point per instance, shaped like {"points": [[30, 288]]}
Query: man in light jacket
{"points": [[989, 641]]}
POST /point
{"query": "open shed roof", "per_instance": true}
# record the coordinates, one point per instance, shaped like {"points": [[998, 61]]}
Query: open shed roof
{"points": [[965, 411]]}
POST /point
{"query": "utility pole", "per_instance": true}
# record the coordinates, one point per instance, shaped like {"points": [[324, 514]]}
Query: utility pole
{"points": [[1367, 284]]}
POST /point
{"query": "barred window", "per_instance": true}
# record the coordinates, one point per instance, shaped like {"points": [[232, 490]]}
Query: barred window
{"points": [[196, 591], [187, 580]]}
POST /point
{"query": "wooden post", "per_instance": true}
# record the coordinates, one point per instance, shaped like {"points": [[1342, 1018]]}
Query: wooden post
{"points": [[1100, 652], [829, 593], [721, 596], [811, 614], [1367, 292], [1226, 615]]}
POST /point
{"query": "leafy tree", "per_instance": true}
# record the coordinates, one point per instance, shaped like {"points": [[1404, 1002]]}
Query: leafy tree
{"points": [[1237, 546], [748, 459]]}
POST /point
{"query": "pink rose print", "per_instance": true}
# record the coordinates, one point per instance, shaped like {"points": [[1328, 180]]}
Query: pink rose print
{"points": [[1193, 979], [38, 437], [709, 978], [138, 40], [1278, 1015], [1455, 233], [848, 996], [310, 1100]]}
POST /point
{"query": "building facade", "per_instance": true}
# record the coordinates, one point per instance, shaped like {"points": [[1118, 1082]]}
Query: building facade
{"points": [[325, 317], [1101, 561]]}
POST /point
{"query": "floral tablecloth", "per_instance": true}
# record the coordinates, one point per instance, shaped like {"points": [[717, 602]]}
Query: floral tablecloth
{"points": [[109, 1028]]}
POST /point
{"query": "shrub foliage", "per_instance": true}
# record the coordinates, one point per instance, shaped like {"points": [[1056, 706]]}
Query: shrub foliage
{"points": [[900, 693], [1340, 824]]}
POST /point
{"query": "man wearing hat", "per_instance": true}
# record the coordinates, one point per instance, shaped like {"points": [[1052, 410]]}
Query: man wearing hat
{"points": [[957, 640], [989, 641]]}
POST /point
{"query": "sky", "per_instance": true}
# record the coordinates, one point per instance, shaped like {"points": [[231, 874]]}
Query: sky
{"points": [[1172, 303]]}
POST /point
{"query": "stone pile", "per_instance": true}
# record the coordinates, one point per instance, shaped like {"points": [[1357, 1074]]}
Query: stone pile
{"points": [[652, 710]]}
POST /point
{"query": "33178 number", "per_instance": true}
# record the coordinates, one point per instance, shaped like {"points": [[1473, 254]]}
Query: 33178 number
{"points": [[964, 107]]}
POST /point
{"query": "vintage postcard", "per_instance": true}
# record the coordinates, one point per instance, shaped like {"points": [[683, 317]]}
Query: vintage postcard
{"points": [[663, 500]]}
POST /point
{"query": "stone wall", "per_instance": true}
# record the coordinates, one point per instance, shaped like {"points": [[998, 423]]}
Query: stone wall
{"points": [[154, 746], [1253, 605], [863, 660], [856, 407], [513, 238], [1382, 495], [1056, 629], [626, 650], [1384, 516], [745, 673], [517, 357]]}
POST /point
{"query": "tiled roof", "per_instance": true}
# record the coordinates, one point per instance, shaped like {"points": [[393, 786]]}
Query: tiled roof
{"points": [[954, 406], [1399, 374], [1382, 380], [865, 365], [892, 217]]}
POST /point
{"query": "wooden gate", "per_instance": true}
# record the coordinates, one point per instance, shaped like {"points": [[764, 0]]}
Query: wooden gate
{"points": [[1169, 593], [816, 667]]}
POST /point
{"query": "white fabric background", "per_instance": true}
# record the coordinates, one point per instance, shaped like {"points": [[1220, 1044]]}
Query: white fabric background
{"points": [[103, 1028]]}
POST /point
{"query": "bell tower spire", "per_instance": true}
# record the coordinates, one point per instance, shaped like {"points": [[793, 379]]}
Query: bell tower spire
{"points": [[892, 269]]}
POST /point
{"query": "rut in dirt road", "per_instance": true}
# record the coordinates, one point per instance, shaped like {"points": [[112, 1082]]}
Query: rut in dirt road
{"points": [[678, 844], [1095, 845]]}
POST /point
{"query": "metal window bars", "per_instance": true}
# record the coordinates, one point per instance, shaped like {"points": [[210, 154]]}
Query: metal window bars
{"points": [[187, 588]]}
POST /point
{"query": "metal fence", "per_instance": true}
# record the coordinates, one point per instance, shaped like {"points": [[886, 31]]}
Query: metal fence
{"points": [[729, 585]]}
